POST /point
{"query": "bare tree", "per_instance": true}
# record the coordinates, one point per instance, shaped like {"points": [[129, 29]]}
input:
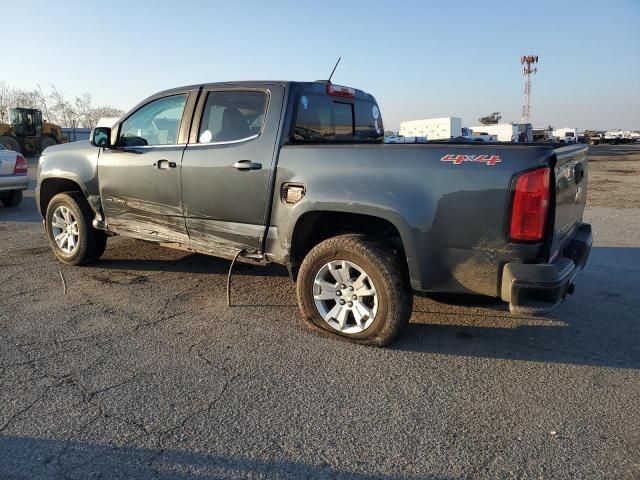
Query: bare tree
{"points": [[83, 110], [55, 106], [43, 100], [5, 101], [62, 110]]}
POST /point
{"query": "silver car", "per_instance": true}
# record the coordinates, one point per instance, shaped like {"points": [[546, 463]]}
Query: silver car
{"points": [[14, 177]]}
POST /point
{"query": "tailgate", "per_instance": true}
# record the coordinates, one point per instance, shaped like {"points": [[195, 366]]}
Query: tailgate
{"points": [[571, 193], [7, 162]]}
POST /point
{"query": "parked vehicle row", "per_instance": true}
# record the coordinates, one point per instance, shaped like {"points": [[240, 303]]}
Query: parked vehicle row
{"points": [[613, 137]]}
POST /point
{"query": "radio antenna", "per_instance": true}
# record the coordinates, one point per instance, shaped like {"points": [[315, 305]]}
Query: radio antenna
{"points": [[334, 69]]}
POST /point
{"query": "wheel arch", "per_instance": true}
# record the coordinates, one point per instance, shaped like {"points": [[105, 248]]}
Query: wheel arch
{"points": [[50, 187], [313, 227]]}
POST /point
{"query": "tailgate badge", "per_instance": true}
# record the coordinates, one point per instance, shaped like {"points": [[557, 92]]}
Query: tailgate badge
{"points": [[458, 159]]}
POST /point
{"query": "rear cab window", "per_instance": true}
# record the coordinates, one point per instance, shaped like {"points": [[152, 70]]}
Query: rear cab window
{"points": [[319, 116]]}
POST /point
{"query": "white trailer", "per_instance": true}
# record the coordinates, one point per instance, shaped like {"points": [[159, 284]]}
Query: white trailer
{"points": [[401, 139], [469, 135], [432, 128], [566, 135], [505, 132]]}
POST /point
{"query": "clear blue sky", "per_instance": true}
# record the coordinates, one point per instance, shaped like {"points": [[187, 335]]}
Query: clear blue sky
{"points": [[419, 58]]}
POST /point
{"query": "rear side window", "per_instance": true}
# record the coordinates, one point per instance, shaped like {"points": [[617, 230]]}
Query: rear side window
{"points": [[325, 118], [232, 116]]}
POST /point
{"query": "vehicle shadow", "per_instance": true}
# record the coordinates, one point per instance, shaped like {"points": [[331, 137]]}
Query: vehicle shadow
{"points": [[598, 326], [47, 458], [26, 212]]}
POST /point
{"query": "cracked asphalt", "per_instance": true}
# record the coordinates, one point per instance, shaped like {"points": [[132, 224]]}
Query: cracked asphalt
{"points": [[141, 371]]}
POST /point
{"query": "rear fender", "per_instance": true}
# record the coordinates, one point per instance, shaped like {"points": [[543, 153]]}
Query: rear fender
{"points": [[287, 230]]}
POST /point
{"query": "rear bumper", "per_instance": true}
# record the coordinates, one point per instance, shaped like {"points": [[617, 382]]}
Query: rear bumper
{"points": [[13, 182], [534, 289]]}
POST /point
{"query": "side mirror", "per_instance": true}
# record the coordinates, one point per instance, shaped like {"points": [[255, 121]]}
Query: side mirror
{"points": [[101, 137]]}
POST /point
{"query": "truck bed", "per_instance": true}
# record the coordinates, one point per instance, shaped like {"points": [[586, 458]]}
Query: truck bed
{"points": [[452, 215]]}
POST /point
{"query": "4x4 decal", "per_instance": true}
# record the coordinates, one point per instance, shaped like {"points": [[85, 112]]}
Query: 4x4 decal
{"points": [[458, 159]]}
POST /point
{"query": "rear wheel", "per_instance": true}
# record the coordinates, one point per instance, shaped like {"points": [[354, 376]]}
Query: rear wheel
{"points": [[352, 287], [10, 143], [12, 198], [71, 235], [47, 142]]}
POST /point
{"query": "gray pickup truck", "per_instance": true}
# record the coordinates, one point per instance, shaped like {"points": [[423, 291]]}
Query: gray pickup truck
{"points": [[296, 173]]}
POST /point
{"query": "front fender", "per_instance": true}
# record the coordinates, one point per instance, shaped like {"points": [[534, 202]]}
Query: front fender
{"points": [[75, 162]]}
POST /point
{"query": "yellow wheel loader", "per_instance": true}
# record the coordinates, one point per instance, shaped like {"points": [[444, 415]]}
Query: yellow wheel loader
{"points": [[27, 133]]}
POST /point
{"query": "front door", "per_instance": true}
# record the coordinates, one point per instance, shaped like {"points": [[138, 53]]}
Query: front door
{"points": [[140, 175], [227, 166]]}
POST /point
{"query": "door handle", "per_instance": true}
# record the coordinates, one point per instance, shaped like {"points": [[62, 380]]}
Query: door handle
{"points": [[246, 165], [164, 164]]}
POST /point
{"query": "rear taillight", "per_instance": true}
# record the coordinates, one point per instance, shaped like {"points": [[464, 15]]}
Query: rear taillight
{"points": [[21, 165], [530, 206], [339, 91]]}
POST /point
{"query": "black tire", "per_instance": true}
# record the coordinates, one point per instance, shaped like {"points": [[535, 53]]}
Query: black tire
{"points": [[47, 141], [91, 242], [12, 198], [10, 143], [384, 268]]}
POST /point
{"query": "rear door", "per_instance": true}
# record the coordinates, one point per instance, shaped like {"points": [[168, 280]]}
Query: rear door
{"points": [[140, 176], [227, 167]]}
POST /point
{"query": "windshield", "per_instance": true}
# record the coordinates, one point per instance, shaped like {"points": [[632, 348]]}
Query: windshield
{"points": [[15, 117]]}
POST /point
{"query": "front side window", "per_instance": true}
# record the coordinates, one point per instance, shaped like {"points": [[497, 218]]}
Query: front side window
{"points": [[232, 116], [157, 123]]}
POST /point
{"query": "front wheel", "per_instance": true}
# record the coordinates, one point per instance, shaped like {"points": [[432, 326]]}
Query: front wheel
{"points": [[351, 286], [10, 143], [71, 235]]}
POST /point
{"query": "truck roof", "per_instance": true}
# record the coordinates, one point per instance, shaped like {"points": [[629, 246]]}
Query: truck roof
{"points": [[319, 86]]}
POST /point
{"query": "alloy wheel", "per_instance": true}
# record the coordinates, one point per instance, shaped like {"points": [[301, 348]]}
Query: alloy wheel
{"points": [[345, 296]]}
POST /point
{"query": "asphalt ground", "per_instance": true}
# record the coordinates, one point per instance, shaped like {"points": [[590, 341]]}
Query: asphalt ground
{"points": [[140, 370]]}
